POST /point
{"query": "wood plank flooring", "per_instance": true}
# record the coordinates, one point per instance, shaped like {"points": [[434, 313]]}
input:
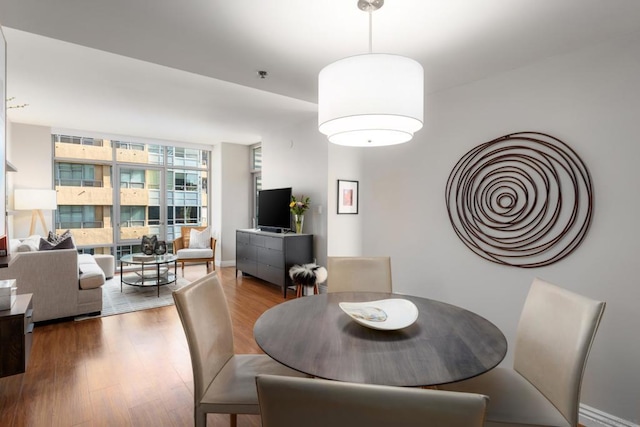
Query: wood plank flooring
{"points": [[126, 370]]}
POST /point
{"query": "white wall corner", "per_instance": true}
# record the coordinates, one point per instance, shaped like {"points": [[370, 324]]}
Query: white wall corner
{"points": [[227, 263]]}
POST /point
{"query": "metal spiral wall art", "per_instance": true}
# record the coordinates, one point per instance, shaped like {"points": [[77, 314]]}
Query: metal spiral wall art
{"points": [[523, 200]]}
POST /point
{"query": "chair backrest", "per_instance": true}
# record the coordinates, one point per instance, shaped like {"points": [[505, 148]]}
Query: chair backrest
{"points": [[289, 402], [353, 274], [555, 333], [205, 317], [185, 232]]}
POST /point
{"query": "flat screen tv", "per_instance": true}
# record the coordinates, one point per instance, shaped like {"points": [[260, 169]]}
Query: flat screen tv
{"points": [[273, 209]]}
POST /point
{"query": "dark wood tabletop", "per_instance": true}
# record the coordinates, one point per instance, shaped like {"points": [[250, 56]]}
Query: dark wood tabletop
{"points": [[446, 343]]}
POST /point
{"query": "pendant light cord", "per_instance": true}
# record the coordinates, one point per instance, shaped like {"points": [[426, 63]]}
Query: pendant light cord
{"points": [[370, 30]]}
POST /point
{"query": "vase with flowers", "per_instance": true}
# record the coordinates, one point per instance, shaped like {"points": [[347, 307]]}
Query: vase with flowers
{"points": [[298, 207]]}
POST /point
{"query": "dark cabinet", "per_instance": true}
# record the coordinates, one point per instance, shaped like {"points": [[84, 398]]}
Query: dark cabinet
{"points": [[16, 330], [269, 256]]}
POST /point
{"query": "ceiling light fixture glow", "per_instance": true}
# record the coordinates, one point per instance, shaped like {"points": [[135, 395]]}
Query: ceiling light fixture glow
{"points": [[371, 99]]}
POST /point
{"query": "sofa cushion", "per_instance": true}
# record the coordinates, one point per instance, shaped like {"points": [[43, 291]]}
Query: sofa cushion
{"points": [[194, 253], [85, 259], [92, 276]]}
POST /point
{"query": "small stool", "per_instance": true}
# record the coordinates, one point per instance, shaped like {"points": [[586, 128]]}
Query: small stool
{"points": [[307, 275], [106, 263], [300, 289]]}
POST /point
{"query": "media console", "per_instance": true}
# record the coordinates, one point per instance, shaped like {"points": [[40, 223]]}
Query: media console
{"points": [[269, 256]]}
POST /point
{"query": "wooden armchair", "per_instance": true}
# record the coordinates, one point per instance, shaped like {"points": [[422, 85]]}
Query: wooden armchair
{"points": [[187, 254]]}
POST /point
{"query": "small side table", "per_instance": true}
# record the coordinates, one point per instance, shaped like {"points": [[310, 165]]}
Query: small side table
{"points": [[16, 331]]}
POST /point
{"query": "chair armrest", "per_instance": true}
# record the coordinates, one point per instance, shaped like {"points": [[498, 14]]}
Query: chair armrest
{"points": [[177, 245], [213, 246]]}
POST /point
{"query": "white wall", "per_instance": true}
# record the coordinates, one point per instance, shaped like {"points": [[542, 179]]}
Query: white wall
{"points": [[297, 157], [344, 231], [590, 99], [30, 151], [231, 198]]}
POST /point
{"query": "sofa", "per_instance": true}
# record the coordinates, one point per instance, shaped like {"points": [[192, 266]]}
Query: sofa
{"points": [[63, 282]]}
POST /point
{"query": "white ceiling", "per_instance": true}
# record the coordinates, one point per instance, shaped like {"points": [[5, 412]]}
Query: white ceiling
{"points": [[187, 70]]}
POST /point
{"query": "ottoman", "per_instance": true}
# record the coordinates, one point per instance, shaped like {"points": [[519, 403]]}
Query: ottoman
{"points": [[106, 263]]}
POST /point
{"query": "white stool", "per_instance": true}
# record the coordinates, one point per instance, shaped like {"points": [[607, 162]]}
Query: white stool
{"points": [[106, 263]]}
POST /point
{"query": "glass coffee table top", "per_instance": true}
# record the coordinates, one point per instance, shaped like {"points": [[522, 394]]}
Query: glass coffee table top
{"points": [[153, 271]]}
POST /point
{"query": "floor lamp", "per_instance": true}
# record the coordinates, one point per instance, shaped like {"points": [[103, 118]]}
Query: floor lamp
{"points": [[35, 201]]}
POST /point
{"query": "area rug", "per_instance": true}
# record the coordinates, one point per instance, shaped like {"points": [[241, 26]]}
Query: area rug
{"points": [[134, 298]]}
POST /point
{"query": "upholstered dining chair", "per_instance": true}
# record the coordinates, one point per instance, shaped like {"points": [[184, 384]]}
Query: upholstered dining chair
{"points": [[352, 274], [553, 340], [223, 382], [202, 249], [293, 402]]}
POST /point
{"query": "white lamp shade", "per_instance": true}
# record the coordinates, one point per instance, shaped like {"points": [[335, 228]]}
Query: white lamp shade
{"points": [[27, 200], [371, 100]]}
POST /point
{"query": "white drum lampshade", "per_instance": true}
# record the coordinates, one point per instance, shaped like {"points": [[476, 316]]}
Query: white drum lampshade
{"points": [[371, 100]]}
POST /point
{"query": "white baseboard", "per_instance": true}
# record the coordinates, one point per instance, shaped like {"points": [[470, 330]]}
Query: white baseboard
{"points": [[231, 263], [591, 417]]}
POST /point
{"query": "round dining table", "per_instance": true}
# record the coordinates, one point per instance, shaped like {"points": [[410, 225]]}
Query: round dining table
{"points": [[445, 344]]}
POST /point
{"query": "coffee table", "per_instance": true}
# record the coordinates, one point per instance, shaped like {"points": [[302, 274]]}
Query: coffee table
{"points": [[150, 273]]}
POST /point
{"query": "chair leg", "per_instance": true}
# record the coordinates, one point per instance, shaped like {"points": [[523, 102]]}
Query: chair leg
{"points": [[200, 418], [298, 290], [233, 420], [182, 268]]}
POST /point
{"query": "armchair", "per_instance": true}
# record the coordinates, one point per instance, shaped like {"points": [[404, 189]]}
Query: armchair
{"points": [[187, 253]]}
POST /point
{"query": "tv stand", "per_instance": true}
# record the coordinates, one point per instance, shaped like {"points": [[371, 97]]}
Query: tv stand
{"points": [[269, 256]]}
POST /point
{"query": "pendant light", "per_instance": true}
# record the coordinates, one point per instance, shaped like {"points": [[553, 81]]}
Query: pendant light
{"points": [[372, 99]]}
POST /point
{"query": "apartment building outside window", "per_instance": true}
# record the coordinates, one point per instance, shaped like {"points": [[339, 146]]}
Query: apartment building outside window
{"points": [[111, 193], [72, 174], [256, 178], [69, 217]]}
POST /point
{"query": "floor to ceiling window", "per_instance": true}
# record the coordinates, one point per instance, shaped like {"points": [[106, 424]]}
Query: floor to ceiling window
{"points": [[256, 179], [111, 193]]}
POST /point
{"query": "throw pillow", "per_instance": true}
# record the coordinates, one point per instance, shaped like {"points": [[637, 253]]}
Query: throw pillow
{"points": [[55, 238], [63, 244], [200, 239]]}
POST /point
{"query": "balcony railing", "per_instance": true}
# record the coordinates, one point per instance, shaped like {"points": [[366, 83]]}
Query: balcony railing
{"points": [[79, 224], [136, 185], [132, 223], [79, 183]]}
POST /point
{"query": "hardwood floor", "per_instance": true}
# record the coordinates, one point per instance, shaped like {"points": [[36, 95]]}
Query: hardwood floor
{"points": [[126, 370]]}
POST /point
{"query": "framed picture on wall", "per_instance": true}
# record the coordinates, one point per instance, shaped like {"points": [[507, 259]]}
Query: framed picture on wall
{"points": [[347, 197]]}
